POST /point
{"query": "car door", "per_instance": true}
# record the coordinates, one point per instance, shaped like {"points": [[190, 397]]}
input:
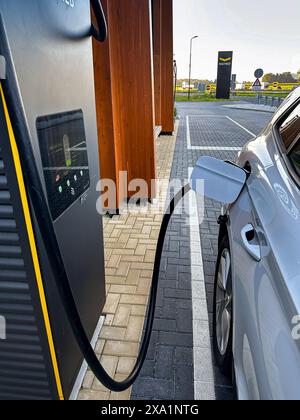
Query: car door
{"points": [[264, 226]]}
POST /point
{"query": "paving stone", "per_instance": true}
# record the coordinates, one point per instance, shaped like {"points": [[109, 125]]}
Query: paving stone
{"points": [[112, 301], [175, 339], [126, 289], [184, 383], [134, 329], [133, 277], [114, 261], [88, 380], [162, 389], [122, 316], [133, 299], [184, 356], [138, 310], [120, 348], [90, 395], [203, 365], [110, 365], [184, 320], [205, 391], [202, 334], [144, 286], [125, 365], [99, 347], [123, 269], [164, 325], [112, 333]]}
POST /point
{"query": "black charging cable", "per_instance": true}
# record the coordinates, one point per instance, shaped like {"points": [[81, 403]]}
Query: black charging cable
{"points": [[100, 32], [41, 210], [42, 213], [39, 206]]}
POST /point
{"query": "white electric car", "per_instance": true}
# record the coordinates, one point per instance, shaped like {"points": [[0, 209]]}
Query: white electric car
{"points": [[257, 287]]}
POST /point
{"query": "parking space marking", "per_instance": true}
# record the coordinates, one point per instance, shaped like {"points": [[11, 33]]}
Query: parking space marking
{"points": [[213, 148], [204, 384], [241, 126]]}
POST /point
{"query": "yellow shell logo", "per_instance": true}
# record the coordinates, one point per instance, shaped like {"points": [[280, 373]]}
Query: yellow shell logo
{"points": [[225, 60]]}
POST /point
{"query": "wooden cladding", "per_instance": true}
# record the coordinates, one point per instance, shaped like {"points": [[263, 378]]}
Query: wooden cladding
{"points": [[167, 60], [163, 63], [103, 91], [131, 96], [157, 52], [132, 88]]}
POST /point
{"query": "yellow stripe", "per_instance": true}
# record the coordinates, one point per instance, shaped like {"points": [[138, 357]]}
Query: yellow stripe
{"points": [[32, 243]]}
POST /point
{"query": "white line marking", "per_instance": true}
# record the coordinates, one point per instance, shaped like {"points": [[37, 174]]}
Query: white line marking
{"points": [[241, 126], [206, 116], [203, 378], [213, 148], [188, 133]]}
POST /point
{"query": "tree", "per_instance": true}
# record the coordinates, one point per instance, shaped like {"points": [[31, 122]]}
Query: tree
{"points": [[267, 77], [298, 75], [285, 77]]}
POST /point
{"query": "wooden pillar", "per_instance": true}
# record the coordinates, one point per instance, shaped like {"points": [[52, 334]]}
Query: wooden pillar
{"points": [[130, 38], [157, 52], [167, 81], [103, 91]]}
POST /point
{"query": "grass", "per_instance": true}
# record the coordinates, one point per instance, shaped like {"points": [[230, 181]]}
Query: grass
{"points": [[262, 93], [200, 98]]}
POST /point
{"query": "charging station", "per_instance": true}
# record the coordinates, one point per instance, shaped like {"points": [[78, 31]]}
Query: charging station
{"points": [[47, 90]]}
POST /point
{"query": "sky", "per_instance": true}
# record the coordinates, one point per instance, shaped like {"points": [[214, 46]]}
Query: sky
{"points": [[262, 33]]}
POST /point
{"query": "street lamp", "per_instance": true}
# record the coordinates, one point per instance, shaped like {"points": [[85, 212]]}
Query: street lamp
{"points": [[191, 47]]}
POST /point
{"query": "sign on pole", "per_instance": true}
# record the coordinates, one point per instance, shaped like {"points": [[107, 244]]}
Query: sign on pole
{"points": [[257, 85], [224, 74], [258, 73]]}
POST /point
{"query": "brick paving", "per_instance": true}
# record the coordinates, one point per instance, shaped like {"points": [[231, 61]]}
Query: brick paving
{"points": [[169, 368], [130, 244], [186, 374], [174, 369], [221, 132]]}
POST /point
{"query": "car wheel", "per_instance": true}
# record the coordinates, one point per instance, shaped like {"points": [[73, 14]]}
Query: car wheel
{"points": [[223, 305]]}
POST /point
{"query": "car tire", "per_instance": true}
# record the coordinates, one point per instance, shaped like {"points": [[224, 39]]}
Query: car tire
{"points": [[223, 310]]}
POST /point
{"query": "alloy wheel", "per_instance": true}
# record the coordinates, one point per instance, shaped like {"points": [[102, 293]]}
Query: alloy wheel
{"points": [[223, 302]]}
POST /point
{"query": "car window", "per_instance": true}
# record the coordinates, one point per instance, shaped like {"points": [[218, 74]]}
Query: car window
{"points": [[295, 158], [290, 129]]}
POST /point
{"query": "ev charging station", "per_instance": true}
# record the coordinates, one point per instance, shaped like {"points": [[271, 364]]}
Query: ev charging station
{"points": [[52, 275], [47, 91]]}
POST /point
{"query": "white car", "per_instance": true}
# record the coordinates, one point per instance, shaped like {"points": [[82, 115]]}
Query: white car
{"points": [[257, 286]]}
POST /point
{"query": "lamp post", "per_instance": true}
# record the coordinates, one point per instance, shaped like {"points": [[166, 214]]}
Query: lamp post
{"points": [[191, 48]]}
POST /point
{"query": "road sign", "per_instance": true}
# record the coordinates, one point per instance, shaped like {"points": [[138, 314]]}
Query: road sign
{"points": [[224, 74], [259, 73], [257, 85], [233, 82]]}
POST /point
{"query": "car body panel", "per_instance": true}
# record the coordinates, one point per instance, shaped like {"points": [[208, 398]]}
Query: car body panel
{"points": [[266, 293], [263, 227]]}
